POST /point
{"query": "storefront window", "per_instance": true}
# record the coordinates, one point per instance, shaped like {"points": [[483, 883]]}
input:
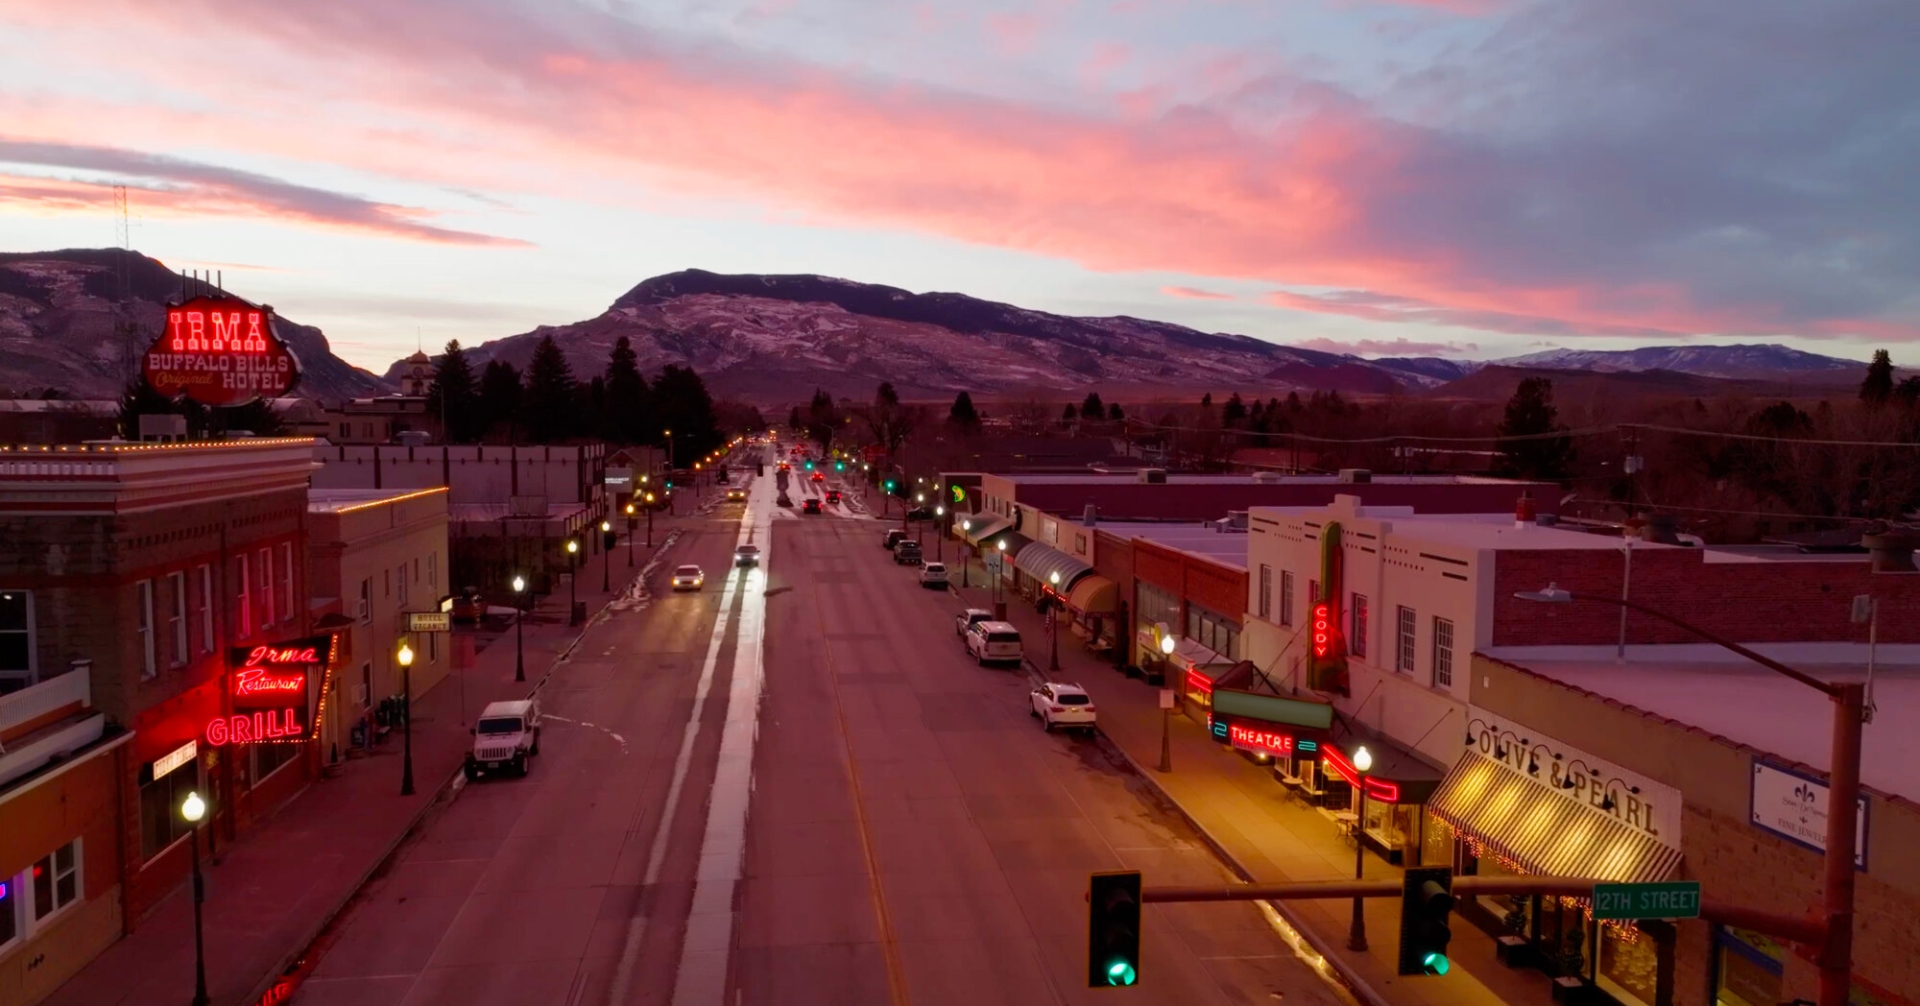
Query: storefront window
{"points": [[1750, 966], [267, 758], [1156, 605], [1213, 631], [1436, 842], [9, 912], [160, 823], [1629, 966]]}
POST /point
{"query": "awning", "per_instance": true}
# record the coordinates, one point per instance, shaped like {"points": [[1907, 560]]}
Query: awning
{"points": [[980, 526], [1397, 775], [1094, 595], [1015, 542], [1042, 562], [1543, 830]]}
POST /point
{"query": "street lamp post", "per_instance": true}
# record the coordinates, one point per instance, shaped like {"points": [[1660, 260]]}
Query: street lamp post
{"points": [[1357, 931], [630, 536], [519, 628], [1835, 956], [573, 577], [405, 656], [606, 558], [1053, 621], [649, 520], [966, 562], [999, 599], [940, 534], [1166, 704], [192, 809]]}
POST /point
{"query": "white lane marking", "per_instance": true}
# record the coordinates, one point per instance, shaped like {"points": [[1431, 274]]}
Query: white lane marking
{"points": [[702, 976], [622, 986], [593, 726]]}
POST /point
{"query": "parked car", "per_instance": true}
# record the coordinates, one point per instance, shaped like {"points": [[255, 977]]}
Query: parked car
{"points": [[919, 513], [747, 555], [993, 642], [1062, 705], [812, 505], [469, 607], [968, 618], [933, 574], [893, 537], [907, 553], [689, 578], [505, 738]]}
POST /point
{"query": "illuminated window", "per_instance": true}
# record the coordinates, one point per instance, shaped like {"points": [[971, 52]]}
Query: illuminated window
{"points": [[145, 615], [16, 640], [177, 616], [1443, 652], [242, 604], [1405, 627], [1357, 639], [1286, 597], [160, 799], [56, 881]]}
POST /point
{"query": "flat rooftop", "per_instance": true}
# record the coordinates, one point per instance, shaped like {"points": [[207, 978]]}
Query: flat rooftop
{"points": [[1175, 479], [1228, 548], [1722, 693], [1467, 530], [343, 500]]}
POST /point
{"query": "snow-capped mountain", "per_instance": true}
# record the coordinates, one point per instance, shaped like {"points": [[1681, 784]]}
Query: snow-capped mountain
{"points": [[1746, 361], [776, 338], [64, 318]]}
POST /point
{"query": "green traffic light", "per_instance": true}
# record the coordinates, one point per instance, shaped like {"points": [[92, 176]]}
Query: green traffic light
{"points": [[1436, 964], [1121, 973]]}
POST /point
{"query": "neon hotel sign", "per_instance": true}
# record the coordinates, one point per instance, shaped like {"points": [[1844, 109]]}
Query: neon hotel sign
{"points": [[269, 694]]}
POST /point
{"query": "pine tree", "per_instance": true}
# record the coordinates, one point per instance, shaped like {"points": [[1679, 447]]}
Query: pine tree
{"points": [[794, 422], [549, 408], [962, 416], [1067, 415], [453, 398], [1235, 410], [822, 419], [1114, 414], [627, 405], [683, 405], [1092, 408], [499, 398], [1878, 385], [1530, 412]]}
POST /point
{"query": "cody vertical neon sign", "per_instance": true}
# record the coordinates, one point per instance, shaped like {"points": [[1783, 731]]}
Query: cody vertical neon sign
{"points": [[1327, 660]]}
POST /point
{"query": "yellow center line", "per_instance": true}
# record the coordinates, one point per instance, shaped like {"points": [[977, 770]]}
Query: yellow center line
{"points": [[889, 949]]}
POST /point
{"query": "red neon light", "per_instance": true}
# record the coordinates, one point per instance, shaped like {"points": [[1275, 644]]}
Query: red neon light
{"points": [[1377, 789], [253, 728], [260, 681], [232, 331], [1322, 630], [1340, 766], [1199, 682], [1261, 740], [1385, 792], [289, 655]]}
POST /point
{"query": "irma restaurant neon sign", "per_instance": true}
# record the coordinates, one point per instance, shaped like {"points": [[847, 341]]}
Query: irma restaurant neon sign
{"points": [[272, 693]]}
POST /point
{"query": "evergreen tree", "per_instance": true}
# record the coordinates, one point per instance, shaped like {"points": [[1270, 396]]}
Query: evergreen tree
{"points": [[139, 399], [822, 419], [627, 406], [1878, 385], [499, 398], [593, 404], [683, 405], [1092, 408], [453, 397], [549, 408], [794, 422], [1530, 412], [962, 416], [1206, 400], [1114, 414], [1908, 392], [1235, 410], [1067, 415], [888, 421]]}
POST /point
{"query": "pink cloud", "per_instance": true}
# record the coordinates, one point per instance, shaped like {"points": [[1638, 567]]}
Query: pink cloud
{"points": [[1194, 293], [482, 98], [1389, 347]]}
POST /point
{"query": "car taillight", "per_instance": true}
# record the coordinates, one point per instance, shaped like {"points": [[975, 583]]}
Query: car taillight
{"points": [[1056, 709]]}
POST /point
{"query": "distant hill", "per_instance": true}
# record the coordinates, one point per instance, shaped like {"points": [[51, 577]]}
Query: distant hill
{"points": [[776, 338], [1497, 382], [58, 316], [1770, 361]]}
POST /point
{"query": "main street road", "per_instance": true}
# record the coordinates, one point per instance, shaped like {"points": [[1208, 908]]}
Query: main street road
{"points": [[791, 788]]}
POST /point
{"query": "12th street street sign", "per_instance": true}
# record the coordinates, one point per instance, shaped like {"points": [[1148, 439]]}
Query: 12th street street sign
{"points": [[1679, 899]]}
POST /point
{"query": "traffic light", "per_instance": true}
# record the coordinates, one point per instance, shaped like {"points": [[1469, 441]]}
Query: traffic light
{"points": [[839, 466], [1113, 930], [809, 465], [889, 485], [1426, 901]]}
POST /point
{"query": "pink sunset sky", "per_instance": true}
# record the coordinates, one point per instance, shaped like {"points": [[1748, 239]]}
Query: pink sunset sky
{"points": [[1409, 177]]}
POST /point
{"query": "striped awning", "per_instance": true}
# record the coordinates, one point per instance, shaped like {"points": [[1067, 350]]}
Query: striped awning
{"points": [[1545, 831], [1042, 562]]}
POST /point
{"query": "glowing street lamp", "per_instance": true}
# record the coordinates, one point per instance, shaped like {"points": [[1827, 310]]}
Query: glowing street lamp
{"points": [[192, 810], [573, 577], [519, 628], [405, 657], [606, 556], [629, 536], [1053, 621], [1167, 645], [1357, 929]]}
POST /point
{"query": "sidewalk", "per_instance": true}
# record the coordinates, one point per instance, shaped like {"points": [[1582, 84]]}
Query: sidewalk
{"points": [[271, 893], [1268, 837]]}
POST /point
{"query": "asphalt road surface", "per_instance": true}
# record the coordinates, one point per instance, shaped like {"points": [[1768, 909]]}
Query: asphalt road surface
{"points": [[791, 787]]}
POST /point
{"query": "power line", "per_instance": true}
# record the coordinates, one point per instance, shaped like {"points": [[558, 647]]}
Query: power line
{"points": [[1776, 440], [1615, 429]]}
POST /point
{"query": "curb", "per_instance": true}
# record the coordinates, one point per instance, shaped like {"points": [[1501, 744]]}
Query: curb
{"points": [[290, 963], [1354, 983]]}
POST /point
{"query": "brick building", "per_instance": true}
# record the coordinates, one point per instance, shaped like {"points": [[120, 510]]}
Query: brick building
{"points": [[144, 564]]}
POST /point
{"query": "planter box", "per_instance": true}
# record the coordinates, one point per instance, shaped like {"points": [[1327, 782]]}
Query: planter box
{"points": [[1514, 952], [1570, 991]]}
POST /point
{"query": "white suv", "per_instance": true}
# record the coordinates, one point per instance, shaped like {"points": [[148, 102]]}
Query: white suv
{"points": [[933, 574], [506, 738], [1062, 705], [968, 618], [993, 642]]}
